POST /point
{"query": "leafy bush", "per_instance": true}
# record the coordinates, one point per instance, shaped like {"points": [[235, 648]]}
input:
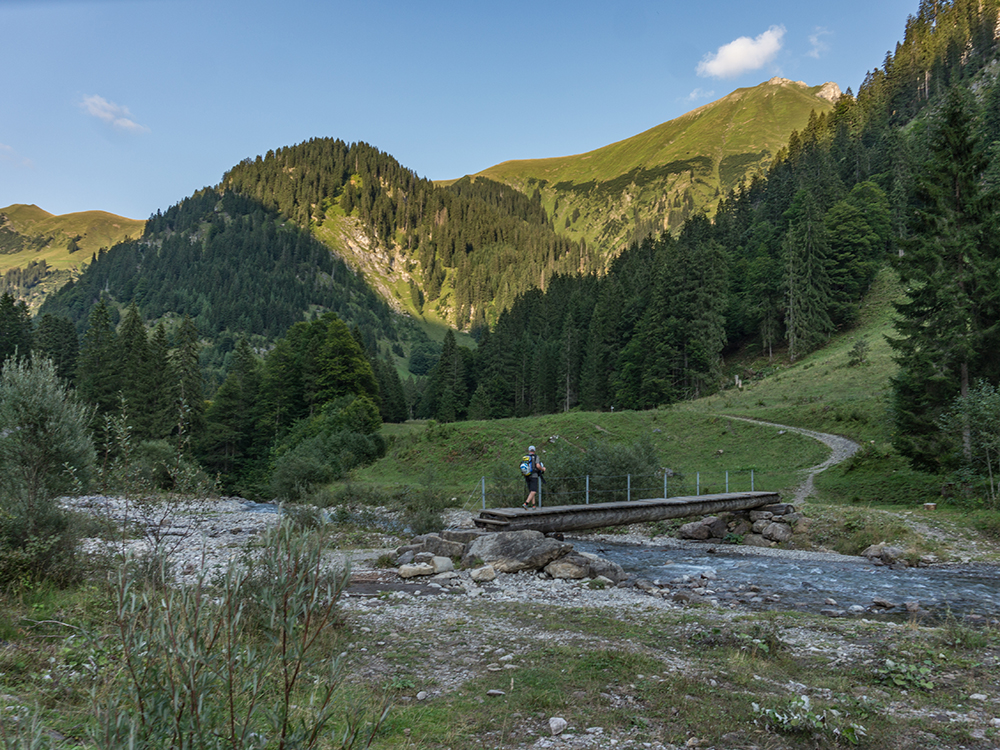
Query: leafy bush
{"points": [[325, 447], [45, 450]]}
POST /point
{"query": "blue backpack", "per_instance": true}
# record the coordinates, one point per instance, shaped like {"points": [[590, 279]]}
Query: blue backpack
{"points": [[527, 464]]}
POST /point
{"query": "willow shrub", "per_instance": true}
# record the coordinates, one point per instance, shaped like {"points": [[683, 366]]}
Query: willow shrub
{"points": [[247, 663]]}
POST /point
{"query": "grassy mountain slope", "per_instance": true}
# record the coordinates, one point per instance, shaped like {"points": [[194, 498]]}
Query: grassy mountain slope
{"points": [[31, 237], [658, 178]]}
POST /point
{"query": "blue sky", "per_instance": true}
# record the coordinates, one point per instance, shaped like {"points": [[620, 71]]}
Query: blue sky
{"points": [[130, 106]]}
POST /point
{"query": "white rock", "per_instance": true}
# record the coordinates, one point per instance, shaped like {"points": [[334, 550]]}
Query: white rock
{"points": [[557, 725]]}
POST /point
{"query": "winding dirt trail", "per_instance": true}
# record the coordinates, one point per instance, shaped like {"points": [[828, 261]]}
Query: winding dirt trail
{"points": [[841, 449]]}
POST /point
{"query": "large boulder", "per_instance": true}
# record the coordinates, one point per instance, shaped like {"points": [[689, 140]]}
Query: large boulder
{"points": [[513, 551]]}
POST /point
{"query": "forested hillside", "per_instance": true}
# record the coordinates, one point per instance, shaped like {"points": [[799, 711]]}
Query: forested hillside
{"points": [[466, 251], [906, 172]]}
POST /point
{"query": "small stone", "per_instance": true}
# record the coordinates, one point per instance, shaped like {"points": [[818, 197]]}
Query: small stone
{"points": [[978, 697], [495, 693], [557, 725], [422, 695]]}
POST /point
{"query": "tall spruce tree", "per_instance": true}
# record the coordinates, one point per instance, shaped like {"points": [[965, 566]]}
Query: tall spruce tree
{"points": [[136, 371], [949, 325], [807, 279], [55, 338], [99, 373]]}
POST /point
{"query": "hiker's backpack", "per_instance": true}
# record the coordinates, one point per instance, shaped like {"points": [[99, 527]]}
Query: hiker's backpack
{"points": [[526, 465]]}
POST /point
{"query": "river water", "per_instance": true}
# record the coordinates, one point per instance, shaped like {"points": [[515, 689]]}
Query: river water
{"points": [[808, 581]]}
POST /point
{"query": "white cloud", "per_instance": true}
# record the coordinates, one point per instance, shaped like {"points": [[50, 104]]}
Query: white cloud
{"points": [[699, 94], [743, 54], [114, 114], [819, 47], [8, 154]]}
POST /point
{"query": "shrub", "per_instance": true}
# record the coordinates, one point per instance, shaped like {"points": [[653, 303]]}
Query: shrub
{"points": [[45, 450], [243, 666]]}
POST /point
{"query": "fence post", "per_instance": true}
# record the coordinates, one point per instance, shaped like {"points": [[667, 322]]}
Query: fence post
{"points": [[727, 481], [628, 487], [664, 485], [697, 483], [588, 490], [751, 480], [484, 493], [539, 490]]}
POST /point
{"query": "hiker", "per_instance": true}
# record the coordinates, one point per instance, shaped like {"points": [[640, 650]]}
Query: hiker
{"points": [[532, 469]]}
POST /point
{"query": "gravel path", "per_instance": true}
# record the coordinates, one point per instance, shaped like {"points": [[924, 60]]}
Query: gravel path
{"points": [[841, 449]]}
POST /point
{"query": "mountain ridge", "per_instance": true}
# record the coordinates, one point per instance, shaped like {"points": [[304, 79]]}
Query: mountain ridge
{"points": [[659, 177], [41, 251]]}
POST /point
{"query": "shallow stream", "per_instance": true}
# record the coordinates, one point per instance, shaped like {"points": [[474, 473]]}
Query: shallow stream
{"points": [[807, 582]]}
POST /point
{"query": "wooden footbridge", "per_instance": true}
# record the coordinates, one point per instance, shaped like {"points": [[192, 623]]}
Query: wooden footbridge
{"points": [[596, 515]]}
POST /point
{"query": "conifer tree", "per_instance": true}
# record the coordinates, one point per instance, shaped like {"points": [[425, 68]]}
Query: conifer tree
{"points": [[136, 372], [188, 389], [99, 373], [949, 325], [15, 328], [807, 279], [55, 338]]}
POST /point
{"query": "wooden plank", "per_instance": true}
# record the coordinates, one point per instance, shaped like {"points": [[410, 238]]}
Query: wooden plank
{"points": [[596, 515]]}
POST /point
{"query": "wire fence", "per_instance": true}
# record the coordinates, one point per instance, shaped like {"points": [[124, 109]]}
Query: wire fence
{"points": [[495, 492]]}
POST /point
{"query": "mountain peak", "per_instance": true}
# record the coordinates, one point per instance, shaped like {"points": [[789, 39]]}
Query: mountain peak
{"points": [[829, 90]]}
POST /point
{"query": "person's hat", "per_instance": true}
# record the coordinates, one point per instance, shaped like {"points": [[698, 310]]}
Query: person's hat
{"points": [[531, 449]]}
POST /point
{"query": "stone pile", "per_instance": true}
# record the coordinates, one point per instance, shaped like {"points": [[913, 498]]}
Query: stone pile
{"points": [[487, 553], [762, 527]]}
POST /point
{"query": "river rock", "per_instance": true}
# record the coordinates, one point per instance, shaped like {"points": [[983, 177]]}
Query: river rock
{"points": [[884, 553], [601, 568], [513, 551], [569, 567], [436, 545], [442, 564], [777, 532], [717, 527], [484, 574], [694, 530], [415, 569]]}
